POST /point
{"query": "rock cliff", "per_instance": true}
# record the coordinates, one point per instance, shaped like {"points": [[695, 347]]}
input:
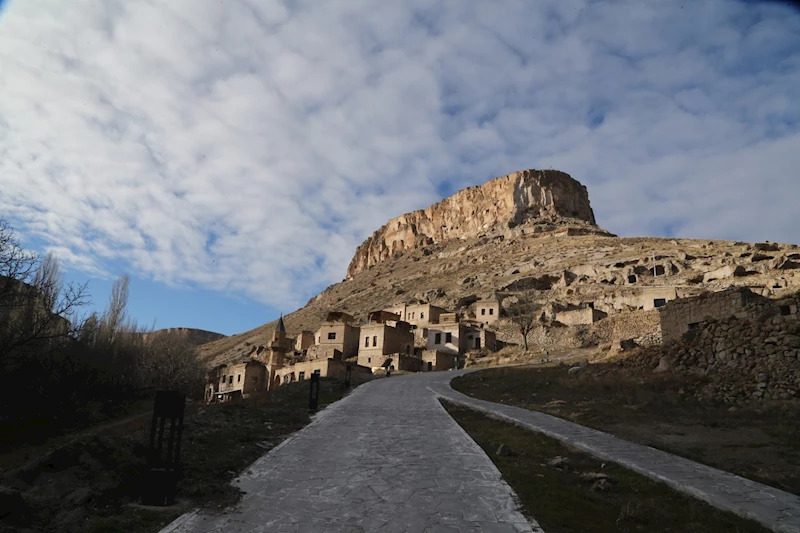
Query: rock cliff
{"points": [[504, 202]]}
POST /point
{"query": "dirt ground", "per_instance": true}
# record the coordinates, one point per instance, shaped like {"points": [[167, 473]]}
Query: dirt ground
{"points": [[759, 442], [89, 483], [561, 489]]}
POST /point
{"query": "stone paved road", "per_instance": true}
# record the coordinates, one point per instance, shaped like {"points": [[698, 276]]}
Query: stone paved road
{"points": [[776, 509], [387, 458]]}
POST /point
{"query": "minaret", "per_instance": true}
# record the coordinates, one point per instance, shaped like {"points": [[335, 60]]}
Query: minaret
{"points": [[277, 349]]}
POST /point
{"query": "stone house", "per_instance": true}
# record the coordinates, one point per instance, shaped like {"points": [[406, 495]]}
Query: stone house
{"points": [[574, 317], [385, 334], [304, 341], [239, 380], [420, 315], [323, 367], [487, 311], [338, 333], [437, 360], [684, 314]]}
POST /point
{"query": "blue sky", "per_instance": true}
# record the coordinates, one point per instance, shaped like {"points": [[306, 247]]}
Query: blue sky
{"points": [[230, 156]]}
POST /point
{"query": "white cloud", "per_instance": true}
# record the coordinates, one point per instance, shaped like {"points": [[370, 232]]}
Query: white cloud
{"points": [[250, 146]]}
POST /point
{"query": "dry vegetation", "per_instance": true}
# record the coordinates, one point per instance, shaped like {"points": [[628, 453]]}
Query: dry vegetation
{"points": [[89, 484], [758, 442], [568, 496]]}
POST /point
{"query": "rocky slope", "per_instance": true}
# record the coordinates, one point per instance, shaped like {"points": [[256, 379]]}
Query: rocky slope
{"points": [[529, 196], [195, 337], [570, 259]]}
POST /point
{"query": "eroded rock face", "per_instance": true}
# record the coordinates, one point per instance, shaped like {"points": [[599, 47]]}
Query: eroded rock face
{"points": [[503, 202]]}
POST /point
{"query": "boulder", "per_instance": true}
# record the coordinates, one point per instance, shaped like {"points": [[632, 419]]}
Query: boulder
{"points": [[728, 271], [574, 370]]}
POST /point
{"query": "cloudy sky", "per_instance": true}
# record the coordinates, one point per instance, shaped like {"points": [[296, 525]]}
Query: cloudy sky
{"points": [[231, 154]]}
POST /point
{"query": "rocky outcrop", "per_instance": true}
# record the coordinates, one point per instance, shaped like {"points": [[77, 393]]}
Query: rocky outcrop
{"points": [[505, 202]]}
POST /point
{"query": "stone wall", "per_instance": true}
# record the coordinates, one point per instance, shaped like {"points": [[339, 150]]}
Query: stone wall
{"points": [[679, 316], [746, 357]]}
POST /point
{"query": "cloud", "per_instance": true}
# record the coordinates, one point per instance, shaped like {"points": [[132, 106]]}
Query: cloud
{"points": [[249, 147]]}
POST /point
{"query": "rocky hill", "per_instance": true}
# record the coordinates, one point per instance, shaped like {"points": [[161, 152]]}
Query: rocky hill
{"points": [[532, 225], [195, 337], [526, 197]]}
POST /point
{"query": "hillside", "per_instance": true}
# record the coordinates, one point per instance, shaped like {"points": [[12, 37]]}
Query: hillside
{"points": [[195, 337], [569, 258]]}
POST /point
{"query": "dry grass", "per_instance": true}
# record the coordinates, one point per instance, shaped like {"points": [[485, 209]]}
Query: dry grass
{"points": [[758, 443], [563, 502], [91, 483]]}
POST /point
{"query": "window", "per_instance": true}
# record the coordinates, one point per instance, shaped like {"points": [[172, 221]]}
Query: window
{"points": [[437, 339], [331, 335], [375, 340], [421, 316], [491, 311], [239, 378], [366, 341], [659, 302], [223, 378], [230, 379], [448, 338], [302, 376], [316, 371], [483, 311], [369, 359]]}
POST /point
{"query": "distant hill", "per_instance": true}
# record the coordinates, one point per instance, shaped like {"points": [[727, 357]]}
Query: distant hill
{"points": [[195, 337]]}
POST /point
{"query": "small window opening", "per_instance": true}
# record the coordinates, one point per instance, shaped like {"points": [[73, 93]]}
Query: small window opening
{"points": [[331, 335], [448, 338], [239, 378], [374, 340], [631, 279], [659, 302], [483, 311], [302, 376], [438, 339], [366, 341], [491, 311]]}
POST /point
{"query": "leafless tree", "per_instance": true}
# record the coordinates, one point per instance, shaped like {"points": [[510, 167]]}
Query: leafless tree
{"points": [[525, 311], [35, 303], [170, 362]]}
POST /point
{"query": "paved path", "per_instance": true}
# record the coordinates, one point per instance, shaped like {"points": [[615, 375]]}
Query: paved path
{"points": [[387, 458], [776, 509]]}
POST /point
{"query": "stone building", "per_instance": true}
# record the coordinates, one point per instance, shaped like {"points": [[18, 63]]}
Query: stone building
{"points": [[459, 337], [323, 367], [239, 380], [304, 341], [574, 317], [337, 333], [681, 315], [436, 360], [385, 334], [487, 311], [420, 315]]}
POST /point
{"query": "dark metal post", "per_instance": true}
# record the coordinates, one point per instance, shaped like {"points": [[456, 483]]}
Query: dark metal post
{"points": [[313, 392], [347, 374], [160, 480]]}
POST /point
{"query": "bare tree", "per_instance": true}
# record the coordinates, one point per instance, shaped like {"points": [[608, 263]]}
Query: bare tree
{"points": [[35, 303], [170, 362], [114, 317], [525, 312]]}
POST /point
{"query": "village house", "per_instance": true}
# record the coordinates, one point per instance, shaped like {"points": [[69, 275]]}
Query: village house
{"points": [[237, 381], [337, 333], [456, 336], [487, 311], [582, 315], [304, 341], [384, 335], [419, 315]]}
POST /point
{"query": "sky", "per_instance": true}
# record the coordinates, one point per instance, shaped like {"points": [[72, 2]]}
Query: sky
{"points": [[230, 155]]}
